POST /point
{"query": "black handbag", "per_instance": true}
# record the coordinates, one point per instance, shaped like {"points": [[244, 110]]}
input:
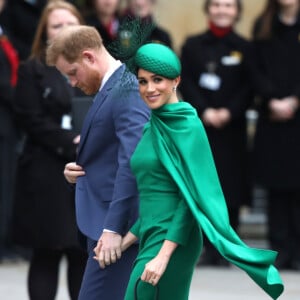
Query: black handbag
{"points": [[135, 290]]}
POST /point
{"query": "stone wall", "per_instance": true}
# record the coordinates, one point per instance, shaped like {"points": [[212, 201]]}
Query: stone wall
{"points": [[184, 17]]}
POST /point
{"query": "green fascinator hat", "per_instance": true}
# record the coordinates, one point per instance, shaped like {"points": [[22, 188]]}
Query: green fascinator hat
{"points": [[158, 59]]}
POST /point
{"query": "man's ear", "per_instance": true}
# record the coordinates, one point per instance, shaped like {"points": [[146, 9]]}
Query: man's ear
{"points": [[89, 56]]}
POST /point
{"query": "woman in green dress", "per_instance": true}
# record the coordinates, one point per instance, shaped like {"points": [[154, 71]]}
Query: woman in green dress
{"points": [[180, 194]]}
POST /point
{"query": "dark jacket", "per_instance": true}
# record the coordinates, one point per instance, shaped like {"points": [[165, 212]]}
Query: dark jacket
{"points": [[107, 196], [226, 58], [21, 19], [6, 87], [157, 34], [44, 214], [92, 20], [8, 134], [277, 75]]}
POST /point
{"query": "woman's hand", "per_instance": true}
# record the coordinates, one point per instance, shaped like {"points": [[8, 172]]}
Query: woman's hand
{"points": [[103, 259], [216, 117], [72, 171], [108, 249], [156, 267], [283, 109], [128, 240]]}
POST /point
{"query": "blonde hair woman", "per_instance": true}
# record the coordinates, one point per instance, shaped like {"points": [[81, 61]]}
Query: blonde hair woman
{"points": [[44, 214]]}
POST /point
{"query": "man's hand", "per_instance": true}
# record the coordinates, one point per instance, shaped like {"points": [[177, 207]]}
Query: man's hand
{"points": [[76, 140], [72, 171], [108, 249]]}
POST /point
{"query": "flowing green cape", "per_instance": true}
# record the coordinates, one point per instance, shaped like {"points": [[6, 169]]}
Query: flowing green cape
{"points": [[183, 148]]}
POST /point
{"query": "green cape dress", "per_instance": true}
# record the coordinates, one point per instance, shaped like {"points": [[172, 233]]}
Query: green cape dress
{"points": [[182, 146]]}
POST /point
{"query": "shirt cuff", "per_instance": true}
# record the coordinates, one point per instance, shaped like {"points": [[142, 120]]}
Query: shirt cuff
{"points": [[107, 230]]}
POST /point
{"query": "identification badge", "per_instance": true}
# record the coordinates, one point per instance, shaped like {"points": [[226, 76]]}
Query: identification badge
{"points": [[210, 81], [235, 58], [66, 122]]}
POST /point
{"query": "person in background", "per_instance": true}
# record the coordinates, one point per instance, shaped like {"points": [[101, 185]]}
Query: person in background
{"points": [[215, 81], [106, 194], [44, 212], [9, 63], [276, 36], [144, 10], [104, 16], [180, 194], [21, 19]]}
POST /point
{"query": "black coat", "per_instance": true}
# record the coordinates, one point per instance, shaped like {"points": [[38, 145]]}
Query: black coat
{"points": [[225, 57], [160, 35], [156, 35], [92, 20], [6, 94], [8, 141], [21, 19], [44, 214], [277, 75]]}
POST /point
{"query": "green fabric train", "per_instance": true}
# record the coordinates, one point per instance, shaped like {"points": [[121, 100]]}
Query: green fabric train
{"points": [[181, 144]]}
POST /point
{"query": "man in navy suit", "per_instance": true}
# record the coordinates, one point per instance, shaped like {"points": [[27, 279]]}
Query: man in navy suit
{"points": [[106, 193]]}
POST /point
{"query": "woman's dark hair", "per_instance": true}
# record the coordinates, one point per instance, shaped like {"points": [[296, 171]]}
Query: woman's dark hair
{"points": [[238, 3], [263, 28]]}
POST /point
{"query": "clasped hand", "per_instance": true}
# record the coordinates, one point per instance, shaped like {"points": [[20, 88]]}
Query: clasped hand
{"points": [[108, 249], [110, 246]]}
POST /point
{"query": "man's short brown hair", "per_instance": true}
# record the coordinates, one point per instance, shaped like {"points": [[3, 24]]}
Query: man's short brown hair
{"points": [[71, 42]]}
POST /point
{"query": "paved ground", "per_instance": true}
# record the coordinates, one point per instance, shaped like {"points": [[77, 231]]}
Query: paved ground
{"points": [[208, 284]]}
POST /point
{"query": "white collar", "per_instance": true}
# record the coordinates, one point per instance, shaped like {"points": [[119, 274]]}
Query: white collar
{"points": [[116, 64]]}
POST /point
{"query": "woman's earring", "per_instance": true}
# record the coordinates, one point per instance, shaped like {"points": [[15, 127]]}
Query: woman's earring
{"points": [[174, 88]]}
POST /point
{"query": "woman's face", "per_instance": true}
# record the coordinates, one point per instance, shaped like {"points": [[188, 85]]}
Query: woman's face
{"points": [[156, 90], [2, 2], [58, 19], [106, 7], [223, 13], [141, 8], [286, 3]]}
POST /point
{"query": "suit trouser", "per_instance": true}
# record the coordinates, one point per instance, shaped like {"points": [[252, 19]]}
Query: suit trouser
{"points": [[109, 283]]}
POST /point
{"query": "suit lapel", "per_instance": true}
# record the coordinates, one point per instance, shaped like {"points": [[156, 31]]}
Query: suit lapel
{"points": [[99, 99]]}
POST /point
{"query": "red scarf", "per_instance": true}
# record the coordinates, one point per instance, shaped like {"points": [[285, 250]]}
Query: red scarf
{"points": [[219, 31], [12, 57]]}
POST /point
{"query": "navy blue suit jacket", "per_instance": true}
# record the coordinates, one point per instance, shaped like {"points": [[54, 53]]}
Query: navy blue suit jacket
{"points": [[106, 197]]}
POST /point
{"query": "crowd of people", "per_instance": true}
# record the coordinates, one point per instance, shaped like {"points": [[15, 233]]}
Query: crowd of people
{"points": [[156, 178]]}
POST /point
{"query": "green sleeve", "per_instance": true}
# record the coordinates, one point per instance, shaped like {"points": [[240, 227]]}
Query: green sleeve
{"points": [[135, 229], [181, 143], [181, 225]]}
